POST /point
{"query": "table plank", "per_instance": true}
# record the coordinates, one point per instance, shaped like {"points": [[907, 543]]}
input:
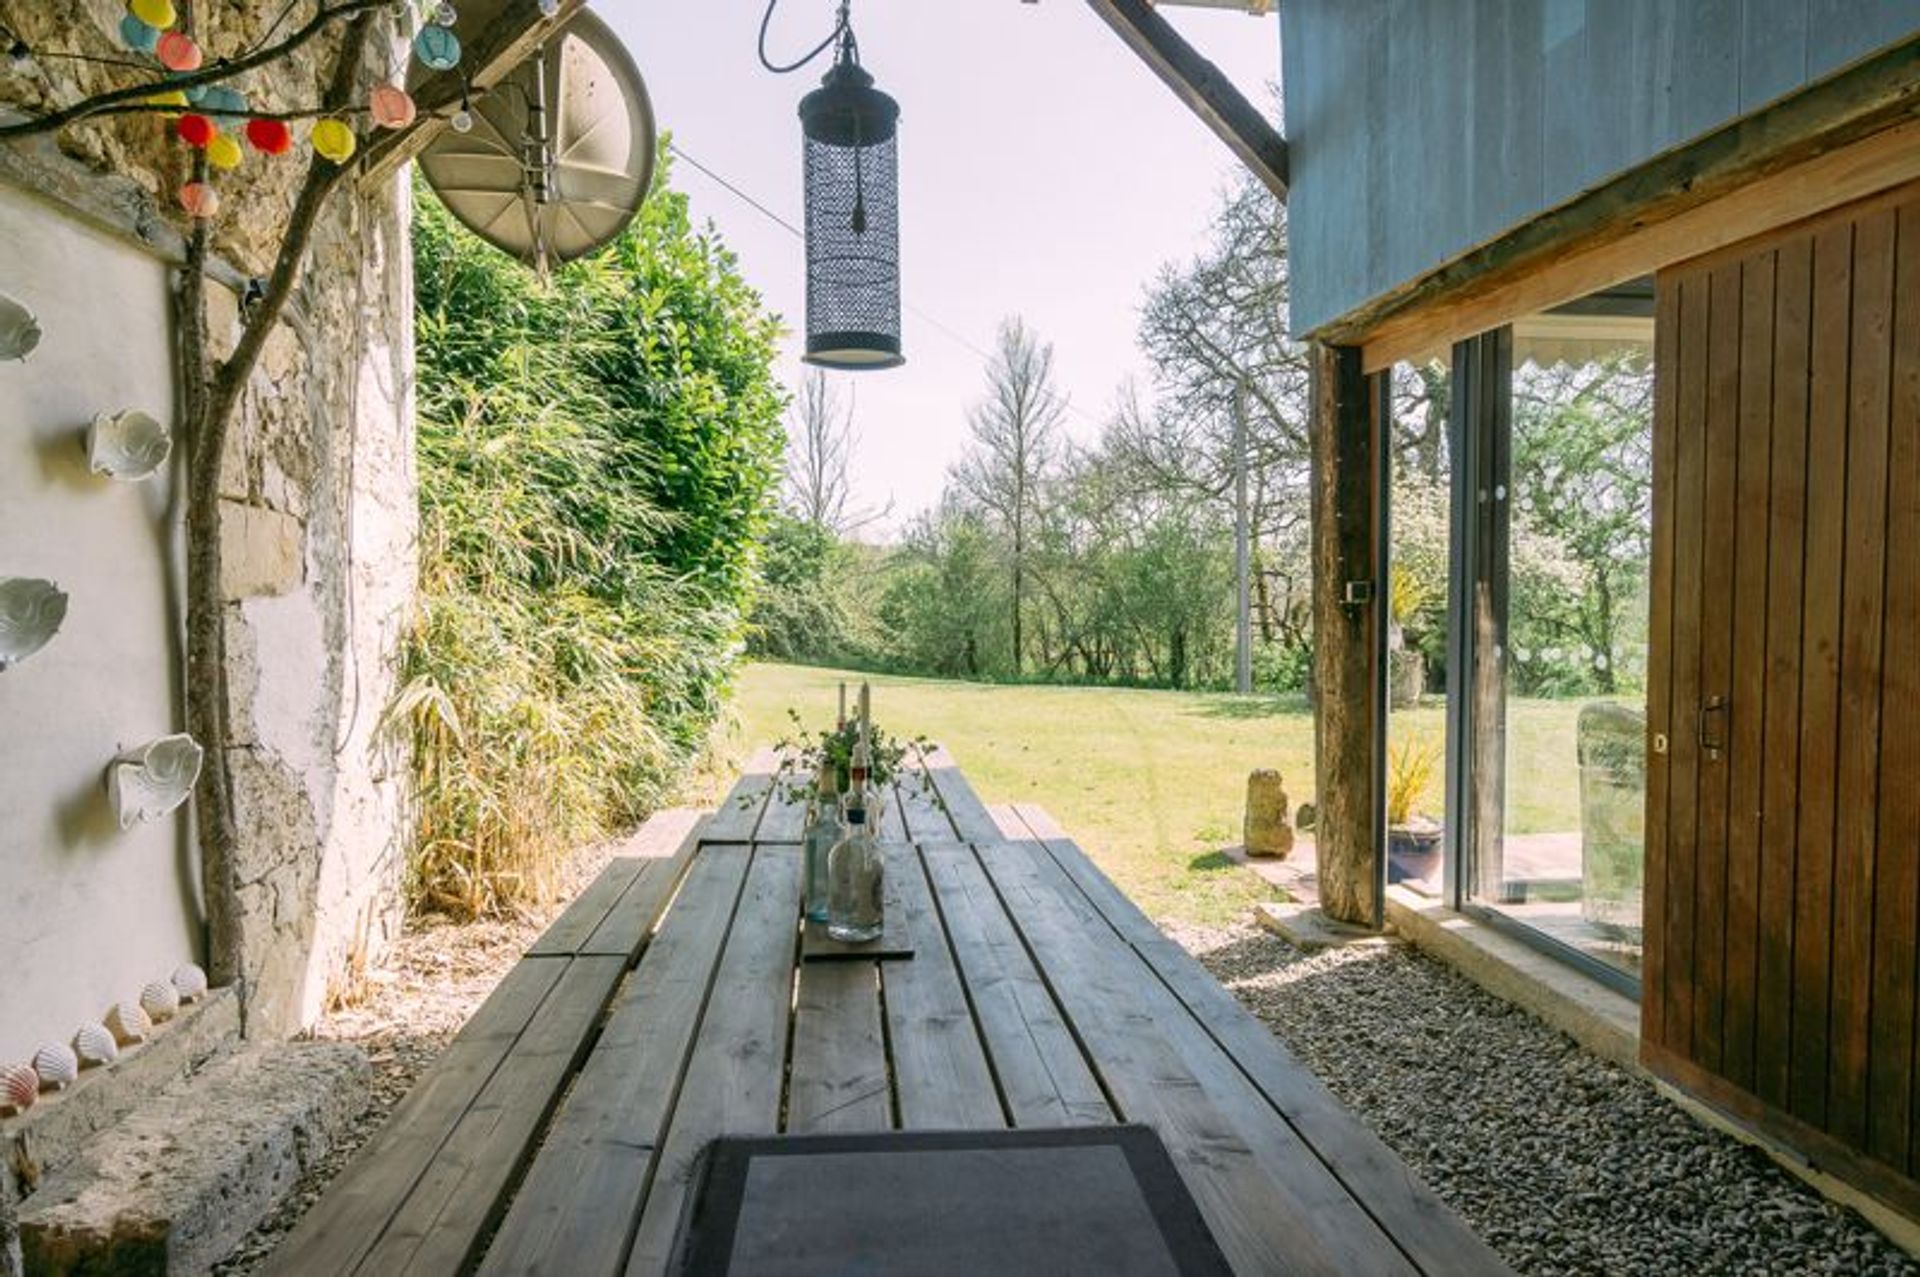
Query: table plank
{"points": [[440, 1228], [940, 1070], [920, 805], [581, 1198], [1271, 1203], [893, 825], [333, 1237], [971, 818], [623, 932], [839, 1075], [785, 819], [1043, 1076], [738, 814], [733, 1081], [1436, 1238]]}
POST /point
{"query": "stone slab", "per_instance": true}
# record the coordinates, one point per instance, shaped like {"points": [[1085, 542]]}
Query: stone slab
{"points": [[1305, 927], [177, 1183]]}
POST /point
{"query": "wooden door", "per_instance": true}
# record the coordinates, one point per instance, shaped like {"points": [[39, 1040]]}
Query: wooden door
{"points": [[1783, 823]]}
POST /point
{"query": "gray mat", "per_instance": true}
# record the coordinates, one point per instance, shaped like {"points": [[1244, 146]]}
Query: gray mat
{"points": [[1079, 1202]]}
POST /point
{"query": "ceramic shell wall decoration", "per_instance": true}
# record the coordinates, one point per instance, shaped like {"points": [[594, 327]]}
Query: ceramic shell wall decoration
{"points": [[128, 1023], [19, 1087], [160, 1000], [147, 783], [128, 446], [19, 331], [94, 1044], [31, 613], [57, 1066], [191, 982]]}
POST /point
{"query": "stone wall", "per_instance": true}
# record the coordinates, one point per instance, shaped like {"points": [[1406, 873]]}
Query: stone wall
{"points": [[318, 518]]}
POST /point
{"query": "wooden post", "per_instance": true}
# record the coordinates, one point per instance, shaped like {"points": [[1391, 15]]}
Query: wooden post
{"points": [[1242, 551], [1349, 599]]}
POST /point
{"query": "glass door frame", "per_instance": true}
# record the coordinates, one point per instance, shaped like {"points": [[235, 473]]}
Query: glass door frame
{"points": [[1480, 428]]}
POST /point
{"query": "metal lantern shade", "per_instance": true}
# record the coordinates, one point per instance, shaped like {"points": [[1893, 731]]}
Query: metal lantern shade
{"points": [[853, 222]]}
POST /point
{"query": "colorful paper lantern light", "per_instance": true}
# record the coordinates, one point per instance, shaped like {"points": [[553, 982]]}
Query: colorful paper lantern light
{"points": [[270, 137], [200, 200], [195, 130], [438, 48], [224, 153], [137, 35], [178, 52], [158, 14], [391, 107], [334, 140]]}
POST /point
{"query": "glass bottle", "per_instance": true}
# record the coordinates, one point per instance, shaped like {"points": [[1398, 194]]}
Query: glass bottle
{"points": [[855, 908], [823, 831]]}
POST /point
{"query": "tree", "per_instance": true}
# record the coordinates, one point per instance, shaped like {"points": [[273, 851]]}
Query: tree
{"points": [[1015, 445], [820, 446]]}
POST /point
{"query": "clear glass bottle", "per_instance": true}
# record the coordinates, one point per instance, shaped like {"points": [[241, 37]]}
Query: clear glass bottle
{"points": [[823, 831], [855, 896]]}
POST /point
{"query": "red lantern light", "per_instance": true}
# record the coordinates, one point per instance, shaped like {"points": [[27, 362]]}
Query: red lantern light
{"points": [[195, 130], [270, 137]]}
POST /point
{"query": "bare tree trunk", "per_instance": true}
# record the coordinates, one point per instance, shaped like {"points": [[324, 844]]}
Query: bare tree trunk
{"points": [[210, 404]]}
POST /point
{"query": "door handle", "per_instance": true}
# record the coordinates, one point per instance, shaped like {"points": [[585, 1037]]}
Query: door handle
{"points": [[1713, 742]]}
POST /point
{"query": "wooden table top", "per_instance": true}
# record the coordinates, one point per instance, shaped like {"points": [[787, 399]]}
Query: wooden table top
{"points": [[1037, 996]]}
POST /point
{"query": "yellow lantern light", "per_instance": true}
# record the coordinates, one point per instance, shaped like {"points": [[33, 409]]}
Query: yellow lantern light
{"points": [[225, 153], [158, 14], [334, 140]]}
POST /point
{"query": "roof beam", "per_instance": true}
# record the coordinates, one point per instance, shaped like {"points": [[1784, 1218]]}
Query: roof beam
{"points": [[496, 36], [1200, 84]]}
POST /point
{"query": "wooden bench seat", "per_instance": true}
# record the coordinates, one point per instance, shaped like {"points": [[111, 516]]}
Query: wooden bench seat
{"points": [[424, 1192]]}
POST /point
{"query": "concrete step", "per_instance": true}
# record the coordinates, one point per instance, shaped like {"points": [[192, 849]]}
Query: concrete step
{"points": [[178, 1182]]}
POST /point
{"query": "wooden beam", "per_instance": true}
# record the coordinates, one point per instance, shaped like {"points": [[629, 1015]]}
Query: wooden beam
{"points": [[495, 39], [1349, 602], [1200, 84], [1835, 142]]}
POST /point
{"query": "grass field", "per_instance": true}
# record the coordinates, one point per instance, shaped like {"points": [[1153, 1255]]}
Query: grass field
{"points": [[1150, 783]]}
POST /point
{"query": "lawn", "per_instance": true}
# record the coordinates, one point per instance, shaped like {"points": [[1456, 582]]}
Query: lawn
{"points": [[1150, 783]]}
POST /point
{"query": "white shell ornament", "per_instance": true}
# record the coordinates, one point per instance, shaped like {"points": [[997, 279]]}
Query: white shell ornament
{"points": [[19, 1087], [147, 783], [129, 1023], [57, 1066], [31, 613], [160, 1000], [191, 981], [128, 446], [94, 1044], [19, 331]]}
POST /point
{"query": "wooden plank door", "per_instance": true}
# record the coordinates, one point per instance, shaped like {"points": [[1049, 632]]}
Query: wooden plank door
{"points": [[1784, 695]]}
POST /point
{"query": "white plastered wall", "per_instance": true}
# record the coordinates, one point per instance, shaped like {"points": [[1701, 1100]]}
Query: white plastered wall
{"points": [[88, 912]]}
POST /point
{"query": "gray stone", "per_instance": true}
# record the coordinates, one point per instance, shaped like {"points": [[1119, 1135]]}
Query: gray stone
{"points": [[177, 1183]]}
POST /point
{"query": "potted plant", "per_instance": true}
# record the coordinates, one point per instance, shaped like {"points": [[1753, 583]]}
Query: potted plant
{"points": [[1413, 840]]}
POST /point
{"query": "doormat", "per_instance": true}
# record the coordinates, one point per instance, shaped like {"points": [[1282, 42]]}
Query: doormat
{"points": [[1077, 1202]]}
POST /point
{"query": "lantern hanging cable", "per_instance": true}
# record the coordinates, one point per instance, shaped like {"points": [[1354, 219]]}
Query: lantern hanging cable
{"points": [[843, 28]]}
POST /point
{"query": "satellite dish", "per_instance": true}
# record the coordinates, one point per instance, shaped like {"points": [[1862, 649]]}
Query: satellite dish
{"points": [[561, 152]]}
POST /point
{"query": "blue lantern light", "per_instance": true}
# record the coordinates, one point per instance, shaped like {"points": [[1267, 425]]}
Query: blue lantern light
{"points": [[137, 35], [437, 47]]}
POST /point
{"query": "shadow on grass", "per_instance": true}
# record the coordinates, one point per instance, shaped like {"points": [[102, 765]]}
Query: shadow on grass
{"points": [[1251, 708], [1212, 862]]}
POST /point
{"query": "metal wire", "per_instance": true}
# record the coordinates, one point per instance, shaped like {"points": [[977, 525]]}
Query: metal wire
{"points": [[842, 28]]}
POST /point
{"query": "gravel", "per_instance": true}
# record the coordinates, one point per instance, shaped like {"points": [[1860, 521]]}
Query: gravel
{"points": [[1563, 1162]]}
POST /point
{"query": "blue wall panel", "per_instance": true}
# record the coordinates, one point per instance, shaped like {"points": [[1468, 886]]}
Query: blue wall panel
{"points": [[1422, 128]]}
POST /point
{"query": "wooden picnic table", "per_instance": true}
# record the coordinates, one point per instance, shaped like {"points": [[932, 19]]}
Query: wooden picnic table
{"points": [[561, 1132]]}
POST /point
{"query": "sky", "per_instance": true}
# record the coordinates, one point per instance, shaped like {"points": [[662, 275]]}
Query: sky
{"points": [[1045, 172]]}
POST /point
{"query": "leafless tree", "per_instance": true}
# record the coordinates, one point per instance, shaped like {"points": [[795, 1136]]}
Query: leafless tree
{"points": [[1015, 445], [820, 448]]}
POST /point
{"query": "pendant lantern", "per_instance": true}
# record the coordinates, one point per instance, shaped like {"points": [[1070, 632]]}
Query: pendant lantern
{"points": [[853, 218]]}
